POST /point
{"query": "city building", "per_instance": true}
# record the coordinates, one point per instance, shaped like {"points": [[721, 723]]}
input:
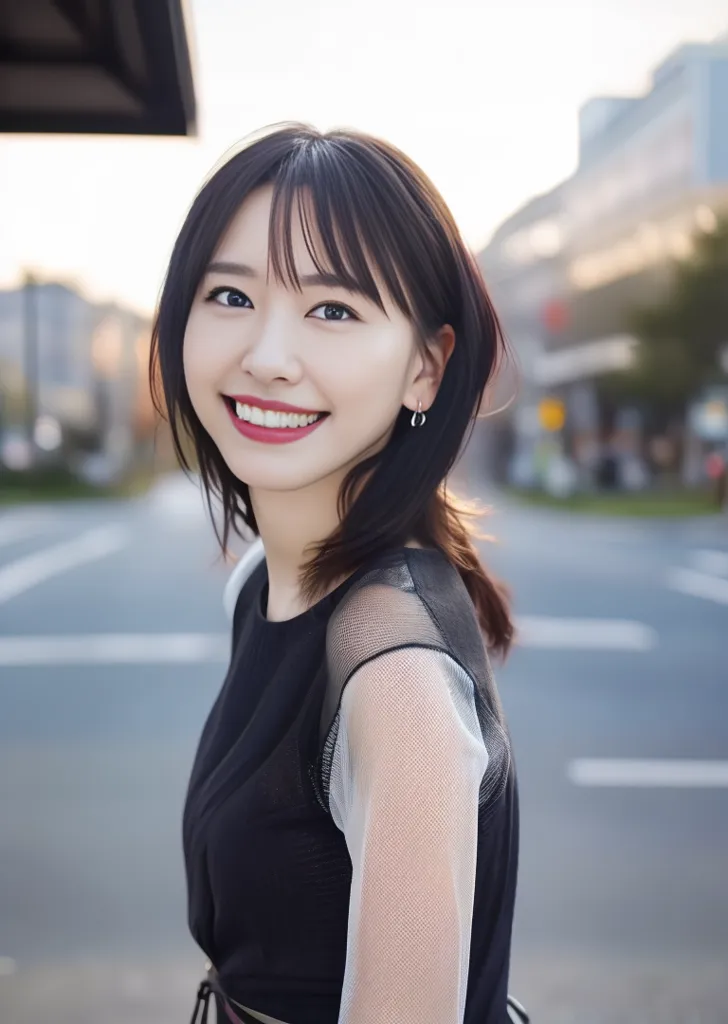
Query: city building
{"points": [[652, 172], [72, 373], [72, 379], [525, 272]]}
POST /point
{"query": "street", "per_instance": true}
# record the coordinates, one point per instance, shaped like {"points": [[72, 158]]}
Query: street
{"points": [[113, 644]]}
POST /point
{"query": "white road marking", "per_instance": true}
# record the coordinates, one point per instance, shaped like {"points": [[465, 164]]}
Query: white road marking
{"points": [[113, 649], [27, 572], [585, 634], [714, 563], [160, 648], [13, 530], [673, 774], [698, 584]]}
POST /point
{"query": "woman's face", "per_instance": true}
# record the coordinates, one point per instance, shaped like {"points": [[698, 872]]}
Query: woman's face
{"points": [[254, 347]]}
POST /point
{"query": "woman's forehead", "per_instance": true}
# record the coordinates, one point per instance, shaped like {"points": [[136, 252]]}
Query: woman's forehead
{"points": [[292, 248], [251, 235]]}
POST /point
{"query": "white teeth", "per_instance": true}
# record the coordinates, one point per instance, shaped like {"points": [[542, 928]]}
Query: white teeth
{"points": [[268, 418]]}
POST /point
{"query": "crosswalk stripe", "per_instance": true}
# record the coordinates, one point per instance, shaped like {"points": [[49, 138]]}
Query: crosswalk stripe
{"points": [[698, 584], [585, 634], [649, 773], [113, 649], [714, 563], [27, 572], [178, 648]]}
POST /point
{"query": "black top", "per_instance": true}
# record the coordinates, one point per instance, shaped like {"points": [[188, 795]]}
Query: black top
{"points": [[286, 825]]}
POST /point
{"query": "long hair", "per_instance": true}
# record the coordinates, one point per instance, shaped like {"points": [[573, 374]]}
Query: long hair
{"points": [[366, 210]]}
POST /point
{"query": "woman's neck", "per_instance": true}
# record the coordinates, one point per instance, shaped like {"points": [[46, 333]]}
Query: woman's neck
{"points": [[290, 524]]}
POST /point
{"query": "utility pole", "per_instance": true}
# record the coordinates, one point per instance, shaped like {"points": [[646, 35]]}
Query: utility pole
{"points": [[30, 360]]}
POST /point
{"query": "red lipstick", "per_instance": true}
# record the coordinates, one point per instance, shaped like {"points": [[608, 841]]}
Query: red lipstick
{"points": [[271, 435], [265, 403]]}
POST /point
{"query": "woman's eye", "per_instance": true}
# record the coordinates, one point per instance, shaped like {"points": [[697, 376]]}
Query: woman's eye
{"points": [[229, 297], [332, 311]]}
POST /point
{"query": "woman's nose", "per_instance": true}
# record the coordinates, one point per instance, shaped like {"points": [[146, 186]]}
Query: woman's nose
{"points": [[271, 355]]}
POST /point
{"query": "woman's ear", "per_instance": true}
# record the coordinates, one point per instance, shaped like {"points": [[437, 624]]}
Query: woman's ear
{"points": [[434, 360]]}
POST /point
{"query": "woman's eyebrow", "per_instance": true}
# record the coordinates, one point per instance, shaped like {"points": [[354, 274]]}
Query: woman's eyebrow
{"points": [[327, 280], [229, 267], [322, 280]]}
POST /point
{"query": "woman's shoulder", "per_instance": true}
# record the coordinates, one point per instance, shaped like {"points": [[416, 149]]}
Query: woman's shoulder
{"points": [[409, 597], [397, 582], [405, 636]]}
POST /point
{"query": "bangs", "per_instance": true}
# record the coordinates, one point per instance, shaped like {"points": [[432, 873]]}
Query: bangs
{"points": [[345, 224]]}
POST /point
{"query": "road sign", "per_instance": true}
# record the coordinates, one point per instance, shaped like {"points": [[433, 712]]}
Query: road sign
{"points": [[551, 414]]}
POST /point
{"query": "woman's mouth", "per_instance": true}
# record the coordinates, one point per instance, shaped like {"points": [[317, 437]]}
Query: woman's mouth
{"points": [[271, 426]]}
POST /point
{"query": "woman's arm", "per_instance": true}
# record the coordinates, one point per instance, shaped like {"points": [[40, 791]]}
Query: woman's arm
{"points": [[407, 768]]}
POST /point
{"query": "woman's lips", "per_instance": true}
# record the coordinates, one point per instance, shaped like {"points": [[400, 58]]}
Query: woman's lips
{"points": [[270, 405], [271, 435]]}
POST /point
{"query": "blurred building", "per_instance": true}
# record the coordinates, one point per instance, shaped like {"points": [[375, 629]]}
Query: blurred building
{"points": [[73, 374], [567, 269], [83, 392], [525, 269]]}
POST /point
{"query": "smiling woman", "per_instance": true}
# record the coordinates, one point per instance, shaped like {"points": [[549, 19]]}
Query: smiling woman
{"points": [[297, 336], [351, 826]]}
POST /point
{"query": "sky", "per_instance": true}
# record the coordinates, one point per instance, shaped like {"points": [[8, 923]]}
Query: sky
{"points": [[483, 95]]}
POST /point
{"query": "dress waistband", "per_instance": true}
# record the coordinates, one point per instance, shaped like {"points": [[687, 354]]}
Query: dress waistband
{"points": [[210, 988], [237, 1015]]}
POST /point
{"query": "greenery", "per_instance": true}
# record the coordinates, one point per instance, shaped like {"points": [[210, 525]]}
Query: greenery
{"points": [[681, 339], [59, 485], [645, 504]]}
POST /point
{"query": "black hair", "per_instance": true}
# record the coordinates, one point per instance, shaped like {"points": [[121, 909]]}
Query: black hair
{"points": [[363, 206]]}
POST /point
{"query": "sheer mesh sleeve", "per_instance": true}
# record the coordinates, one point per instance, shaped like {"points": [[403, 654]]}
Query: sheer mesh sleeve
{"points": [[406, 772]]}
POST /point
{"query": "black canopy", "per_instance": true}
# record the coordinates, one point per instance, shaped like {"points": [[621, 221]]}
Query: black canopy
{"points": [[95, 66]]}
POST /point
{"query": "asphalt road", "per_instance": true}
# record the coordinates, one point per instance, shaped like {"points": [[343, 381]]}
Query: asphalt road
{"points": [[112, 646]]}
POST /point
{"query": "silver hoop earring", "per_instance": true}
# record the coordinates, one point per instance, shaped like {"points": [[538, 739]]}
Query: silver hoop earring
{"points": [[419, 417]]}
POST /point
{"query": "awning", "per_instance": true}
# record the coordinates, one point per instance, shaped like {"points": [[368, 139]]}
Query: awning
{"points": [[95, 66]]}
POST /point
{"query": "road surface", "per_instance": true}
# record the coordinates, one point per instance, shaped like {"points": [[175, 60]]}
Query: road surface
{"points": [[113, 644]]}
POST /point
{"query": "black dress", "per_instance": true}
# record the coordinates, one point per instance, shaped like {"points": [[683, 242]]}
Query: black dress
{"points": [[351, 823]]}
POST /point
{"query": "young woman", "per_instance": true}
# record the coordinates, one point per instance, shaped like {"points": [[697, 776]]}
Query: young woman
{"points": [[324, 340]]}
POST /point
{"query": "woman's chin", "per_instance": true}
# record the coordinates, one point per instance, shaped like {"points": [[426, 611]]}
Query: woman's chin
{"points": [[275, 479]]}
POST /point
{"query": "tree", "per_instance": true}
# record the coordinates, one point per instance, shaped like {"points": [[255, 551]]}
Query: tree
{"points": [[681, 339]]}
